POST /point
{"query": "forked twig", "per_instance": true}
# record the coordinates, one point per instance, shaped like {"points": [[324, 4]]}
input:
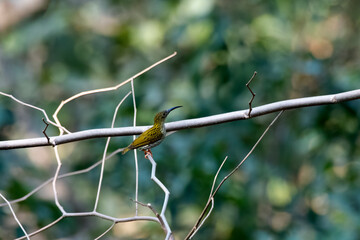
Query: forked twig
{"points": [[153, 210], [200, 219], [44, 131], [166, 198], [162, 223], [105, 89], [107, 230], [36, 108], [211, 198], [157, 215], [252, 93]]}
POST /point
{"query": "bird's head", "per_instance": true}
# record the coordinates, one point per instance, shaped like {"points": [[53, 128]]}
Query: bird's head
{"points": [[161, 116]]}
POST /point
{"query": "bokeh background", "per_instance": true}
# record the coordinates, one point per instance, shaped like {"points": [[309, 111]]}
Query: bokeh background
{"points": [[302, 182]]}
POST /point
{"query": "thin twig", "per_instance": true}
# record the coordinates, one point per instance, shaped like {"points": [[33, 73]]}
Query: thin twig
{"points": [[14, 215], [44, 131], [107, 230], [247, 155], [211, 198], [252, 93], [153, 210], [216, 175], [135, 152], [166, 198], [36, 108], [196, 229], [162, 223], [105, 151], [43, 228], [60, 207], [197, 224], [159, 183]]}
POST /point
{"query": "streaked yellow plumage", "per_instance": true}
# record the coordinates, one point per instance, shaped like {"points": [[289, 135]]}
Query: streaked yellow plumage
{"points": [[153, 136]]}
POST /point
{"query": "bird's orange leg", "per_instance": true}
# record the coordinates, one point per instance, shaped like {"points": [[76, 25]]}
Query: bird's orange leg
{"points": [[147, 153]]}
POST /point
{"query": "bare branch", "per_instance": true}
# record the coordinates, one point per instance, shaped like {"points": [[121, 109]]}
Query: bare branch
{"points": [[190, 123]]}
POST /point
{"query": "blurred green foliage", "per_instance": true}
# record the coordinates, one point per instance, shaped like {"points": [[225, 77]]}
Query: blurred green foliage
{"points": [[302, 181]]}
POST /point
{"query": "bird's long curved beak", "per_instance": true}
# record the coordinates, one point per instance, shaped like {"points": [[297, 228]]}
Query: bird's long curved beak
{"points": [[170, 109]]}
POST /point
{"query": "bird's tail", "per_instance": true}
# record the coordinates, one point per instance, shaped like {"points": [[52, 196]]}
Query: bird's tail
{"points": [[125, 150]]}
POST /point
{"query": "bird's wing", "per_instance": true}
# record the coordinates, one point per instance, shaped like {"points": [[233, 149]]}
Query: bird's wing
{"points": [[145, 138]]}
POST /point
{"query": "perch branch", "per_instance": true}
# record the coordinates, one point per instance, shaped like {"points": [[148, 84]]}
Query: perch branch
{"points": [[185, 124]]}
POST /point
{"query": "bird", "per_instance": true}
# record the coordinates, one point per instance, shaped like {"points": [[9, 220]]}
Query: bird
{"points": [[153, 136]]}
